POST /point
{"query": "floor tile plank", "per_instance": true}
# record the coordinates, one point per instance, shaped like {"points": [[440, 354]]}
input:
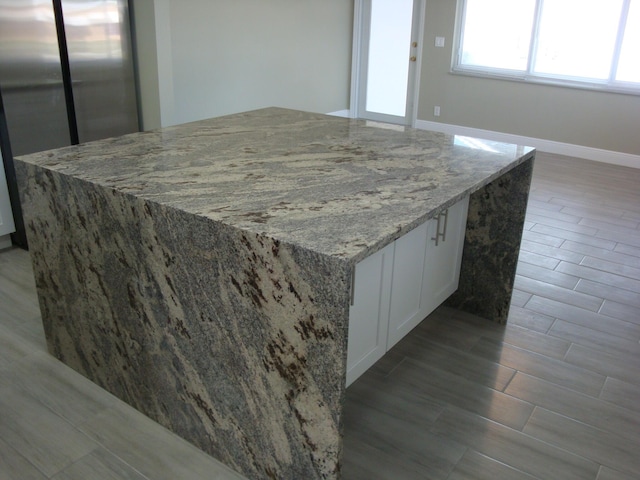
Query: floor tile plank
{"points": [[604, 447], [13, 466], [580, 407], [44, 439], [552, 277], [561, 294], [605, 361], [540, 366], [625, 297], [475, 466], [449, 389], [601, 253], [564, 234], [622, 393], [151, 449], [512, 447], [570, 313], [555, 253], [99, 465]]}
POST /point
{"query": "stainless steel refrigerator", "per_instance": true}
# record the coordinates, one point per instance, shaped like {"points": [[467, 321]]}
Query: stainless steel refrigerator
{"points": [[66, 75]]}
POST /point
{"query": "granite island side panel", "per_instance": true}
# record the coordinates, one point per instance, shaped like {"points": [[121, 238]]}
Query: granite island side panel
{"points": [[232, 340], [202, 272]]}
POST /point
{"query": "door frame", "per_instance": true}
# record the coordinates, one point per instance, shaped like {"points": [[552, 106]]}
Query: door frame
{"points": [[358, 64]]}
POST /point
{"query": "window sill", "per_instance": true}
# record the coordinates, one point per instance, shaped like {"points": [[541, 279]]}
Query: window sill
{"points": [[549, 81]]}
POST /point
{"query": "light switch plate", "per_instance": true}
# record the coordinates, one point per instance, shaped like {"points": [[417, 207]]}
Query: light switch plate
{"points": [[439, 41]]}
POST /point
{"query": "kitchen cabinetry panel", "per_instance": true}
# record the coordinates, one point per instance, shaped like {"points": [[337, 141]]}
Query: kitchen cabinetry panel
{"points": [[442, 268], [369, 314], [406, 286], [397, 287]]}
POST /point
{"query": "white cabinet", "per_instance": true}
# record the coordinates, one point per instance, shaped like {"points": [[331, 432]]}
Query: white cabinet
{"points": [[442, 268], [397, 287], [426, 269], [369, 313], [407, 298]]}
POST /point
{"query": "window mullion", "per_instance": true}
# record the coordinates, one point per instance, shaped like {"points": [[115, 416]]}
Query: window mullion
{"points": [[615, 58], [533, 44]]}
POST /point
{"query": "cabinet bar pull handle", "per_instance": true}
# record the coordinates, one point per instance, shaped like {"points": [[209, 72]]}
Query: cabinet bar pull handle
{"points": [[437, 237], [442, 234]]}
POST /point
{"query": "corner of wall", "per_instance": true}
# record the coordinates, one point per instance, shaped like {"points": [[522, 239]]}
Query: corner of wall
{"points": [[151, 22]]}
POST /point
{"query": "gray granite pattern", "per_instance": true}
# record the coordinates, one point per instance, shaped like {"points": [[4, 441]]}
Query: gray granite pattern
{"points": [[492, 243], [335, 186], [202, 272], [230, 339]]}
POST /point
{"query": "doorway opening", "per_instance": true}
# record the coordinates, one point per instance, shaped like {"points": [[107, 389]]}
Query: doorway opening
{"points": [[386, 59]]}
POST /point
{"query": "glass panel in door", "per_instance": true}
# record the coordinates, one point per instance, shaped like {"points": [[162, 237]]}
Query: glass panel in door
{"points": [[388, 56]]}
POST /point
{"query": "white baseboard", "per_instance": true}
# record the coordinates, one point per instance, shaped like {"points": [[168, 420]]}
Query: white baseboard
{"points": [[559, 148], [341, 113]]}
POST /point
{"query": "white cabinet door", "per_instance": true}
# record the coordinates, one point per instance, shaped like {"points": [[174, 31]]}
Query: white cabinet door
{"points": [[442, 265], [406, 285], [425, 274], [397, 287], [369, 314]]}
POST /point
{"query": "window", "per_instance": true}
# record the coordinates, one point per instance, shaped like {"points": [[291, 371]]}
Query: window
{"points": [[575, 42]]}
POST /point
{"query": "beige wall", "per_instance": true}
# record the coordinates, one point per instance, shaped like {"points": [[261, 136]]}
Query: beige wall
{"points": [[580, 117], [215, 57], [204, 58]]}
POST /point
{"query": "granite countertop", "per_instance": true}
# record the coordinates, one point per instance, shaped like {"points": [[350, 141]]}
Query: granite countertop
{"points": [[336, 186]]}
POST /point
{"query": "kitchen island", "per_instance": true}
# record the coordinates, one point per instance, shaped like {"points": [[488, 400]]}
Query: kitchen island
{"points": [[203, 273]]}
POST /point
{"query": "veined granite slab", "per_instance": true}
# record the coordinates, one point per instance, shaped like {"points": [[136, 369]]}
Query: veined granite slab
{"points": [[335, 186], [202, 272]]}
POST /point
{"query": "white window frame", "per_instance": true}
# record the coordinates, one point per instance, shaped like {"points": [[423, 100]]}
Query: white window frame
{"points": [[529, 76]]}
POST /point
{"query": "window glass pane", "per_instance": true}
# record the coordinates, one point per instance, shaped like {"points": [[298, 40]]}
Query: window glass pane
{"points": [[629, 64], [577, 37], [497, 33]]}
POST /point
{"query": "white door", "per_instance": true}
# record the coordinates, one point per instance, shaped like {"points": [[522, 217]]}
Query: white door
{"points": [[386, 59], [6, 217]]}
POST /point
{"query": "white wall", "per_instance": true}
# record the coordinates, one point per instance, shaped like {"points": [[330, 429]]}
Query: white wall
{"points": [[206, 58]]}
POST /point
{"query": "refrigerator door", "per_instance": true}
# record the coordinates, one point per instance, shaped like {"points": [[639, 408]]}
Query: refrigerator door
{"points": [[101, 64], [31, 77]]}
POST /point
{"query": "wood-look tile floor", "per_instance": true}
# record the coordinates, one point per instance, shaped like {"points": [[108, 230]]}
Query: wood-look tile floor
{"points": [[553, 395]]}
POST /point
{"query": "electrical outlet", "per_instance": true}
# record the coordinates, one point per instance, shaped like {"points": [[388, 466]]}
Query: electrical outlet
{"points": [[436, 111]]}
